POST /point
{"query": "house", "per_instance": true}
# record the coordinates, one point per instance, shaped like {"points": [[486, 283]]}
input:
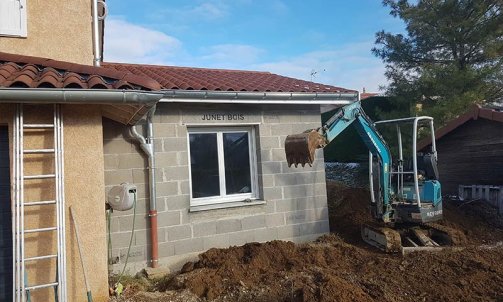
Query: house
{"points": [[470, 149], [204, 148], [221, 174]]}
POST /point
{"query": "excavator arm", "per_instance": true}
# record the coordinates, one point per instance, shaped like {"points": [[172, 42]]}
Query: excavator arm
{"points": [[300, 148]]}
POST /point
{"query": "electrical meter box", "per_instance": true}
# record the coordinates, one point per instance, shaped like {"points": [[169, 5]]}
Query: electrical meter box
{"points": [[122, 197]]}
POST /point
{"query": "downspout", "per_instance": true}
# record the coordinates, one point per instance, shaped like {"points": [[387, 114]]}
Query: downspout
{"points": [[147, 145]]}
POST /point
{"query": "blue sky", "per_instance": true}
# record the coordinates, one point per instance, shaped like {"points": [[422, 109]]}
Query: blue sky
{"points": [[295, 38]]}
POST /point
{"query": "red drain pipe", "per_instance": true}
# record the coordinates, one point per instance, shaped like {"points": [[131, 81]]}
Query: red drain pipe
{"points": [[153, 238]]}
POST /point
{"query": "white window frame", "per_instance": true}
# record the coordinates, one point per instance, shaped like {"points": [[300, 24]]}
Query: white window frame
{"points": [[22, 31], [223, 198]]}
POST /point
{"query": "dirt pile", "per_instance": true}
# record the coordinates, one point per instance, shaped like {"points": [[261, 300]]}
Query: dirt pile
{"points": [[340, 267]]}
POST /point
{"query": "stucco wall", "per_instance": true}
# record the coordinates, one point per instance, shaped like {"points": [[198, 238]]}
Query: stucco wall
{"points": [[84, 188], [57, 29], [295, 205]]}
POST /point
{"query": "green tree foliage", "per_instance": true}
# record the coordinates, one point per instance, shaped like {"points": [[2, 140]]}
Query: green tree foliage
{"points": [[450, 58]]}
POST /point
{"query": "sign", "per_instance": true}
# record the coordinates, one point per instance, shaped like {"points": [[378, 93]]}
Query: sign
{"points": [[223, 117]]}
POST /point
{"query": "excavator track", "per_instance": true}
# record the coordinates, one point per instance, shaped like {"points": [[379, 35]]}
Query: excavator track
{"points": [[384, 238], [425, 237]]}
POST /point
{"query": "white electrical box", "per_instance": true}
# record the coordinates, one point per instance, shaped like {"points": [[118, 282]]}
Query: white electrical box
{"points": [[122, 197]]}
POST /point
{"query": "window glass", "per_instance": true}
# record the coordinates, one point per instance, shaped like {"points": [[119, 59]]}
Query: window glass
{"points": [[237, 163], [204, 165]]}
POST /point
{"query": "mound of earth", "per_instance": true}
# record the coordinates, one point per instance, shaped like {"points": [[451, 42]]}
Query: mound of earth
{"points": [[340, 267]]}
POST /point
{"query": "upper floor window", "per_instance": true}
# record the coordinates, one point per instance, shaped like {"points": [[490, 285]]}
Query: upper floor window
{"points": [[222, 165], [13, 18]]}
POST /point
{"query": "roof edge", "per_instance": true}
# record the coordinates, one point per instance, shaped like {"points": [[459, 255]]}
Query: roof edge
{"points": [[474, 113]]}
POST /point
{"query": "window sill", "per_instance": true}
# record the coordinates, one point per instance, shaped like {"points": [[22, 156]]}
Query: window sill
{"points": [[226, 205]]}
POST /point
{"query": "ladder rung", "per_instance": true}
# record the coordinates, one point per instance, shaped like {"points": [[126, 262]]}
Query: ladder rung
{"points": [[39, 203], [39, 126], [40, 257], [38, 151], [39, 176], [41, 230], [41, 286]]}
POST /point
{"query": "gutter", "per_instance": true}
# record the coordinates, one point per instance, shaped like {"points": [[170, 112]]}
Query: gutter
{"points": [[78, 96], [252, 97]]}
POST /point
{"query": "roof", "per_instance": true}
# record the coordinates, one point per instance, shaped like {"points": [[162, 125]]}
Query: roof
{"points": [[35, 72], [366, 95], [27, 72], [474, 113], [190, 78]]}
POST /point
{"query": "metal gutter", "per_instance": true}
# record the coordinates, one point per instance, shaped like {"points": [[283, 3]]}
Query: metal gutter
{"points": [[252, 97], [78, 96]]}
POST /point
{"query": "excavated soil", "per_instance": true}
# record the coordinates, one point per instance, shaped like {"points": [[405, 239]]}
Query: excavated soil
{"points": [[340, 267]]}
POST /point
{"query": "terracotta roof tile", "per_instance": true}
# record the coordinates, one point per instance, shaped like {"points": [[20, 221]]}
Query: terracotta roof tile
{"points": [[188, 78], [35, 72]]}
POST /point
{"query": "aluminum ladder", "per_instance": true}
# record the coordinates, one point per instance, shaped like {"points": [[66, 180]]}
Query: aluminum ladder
{"points": [[21, 287]]}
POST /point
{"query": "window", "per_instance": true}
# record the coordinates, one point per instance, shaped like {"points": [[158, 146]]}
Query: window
{"points": [[222, 165], [13, 18]]}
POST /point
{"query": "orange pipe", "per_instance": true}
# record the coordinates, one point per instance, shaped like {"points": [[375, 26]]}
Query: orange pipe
{"points": [[153, 238]]}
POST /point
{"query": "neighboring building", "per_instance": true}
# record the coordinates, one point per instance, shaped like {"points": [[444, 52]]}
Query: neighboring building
{"points": [[470, 150], [222, 176]]}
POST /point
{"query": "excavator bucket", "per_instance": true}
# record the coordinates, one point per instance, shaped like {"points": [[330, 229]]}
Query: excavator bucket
{"points": [[300, 148]]}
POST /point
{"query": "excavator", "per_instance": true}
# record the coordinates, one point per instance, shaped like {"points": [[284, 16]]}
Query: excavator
{"points": [[405, 195]]}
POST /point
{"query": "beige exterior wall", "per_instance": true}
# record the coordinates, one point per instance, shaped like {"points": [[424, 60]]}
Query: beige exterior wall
{"points": [[57, 29], [84, 191]]}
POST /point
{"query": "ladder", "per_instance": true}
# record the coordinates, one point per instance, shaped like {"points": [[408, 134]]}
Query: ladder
{"points": [[21, 285]]}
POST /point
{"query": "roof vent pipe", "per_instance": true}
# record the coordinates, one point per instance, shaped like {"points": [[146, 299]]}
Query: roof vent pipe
{"points": [[147, 145], [96, 32]]}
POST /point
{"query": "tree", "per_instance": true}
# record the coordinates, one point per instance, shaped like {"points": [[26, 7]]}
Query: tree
{"points": [[451, 56]]}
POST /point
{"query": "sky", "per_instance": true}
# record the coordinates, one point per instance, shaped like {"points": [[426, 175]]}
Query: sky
{"points": [[326, 41]]}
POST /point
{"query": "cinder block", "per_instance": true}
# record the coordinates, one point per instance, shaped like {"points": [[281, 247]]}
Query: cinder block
{"points": [[241, 238], [285, 179], [166, 159], [178, 202], [286, 205], [188, 246], [206, 228], [296, 191], [166, 114], [253, 222], [268, 181], [270, 117], [273, 193], [137, 253], [166, 249], [264, 130], [111, 161], [114, 224], [167, 188], [121, 240], [184, 187], [126, 222], [296, 217], [228, 226], [288, 231], [158, 145], [278, 154], [164, 130], [140, 176], [216, 241], [181, 131], [269, 142], [290, 117], [313, 117], [117, 146], [274, 220], [116, 177], [168, 218], [271, 167], [175, 144], [266, 234], [176, 173], [132, 160], [182, 158], [179, 232], [317, 227], [265, 155]]}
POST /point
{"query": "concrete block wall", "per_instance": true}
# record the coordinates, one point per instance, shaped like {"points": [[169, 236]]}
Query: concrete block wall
{"points": [[293, 200]]}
